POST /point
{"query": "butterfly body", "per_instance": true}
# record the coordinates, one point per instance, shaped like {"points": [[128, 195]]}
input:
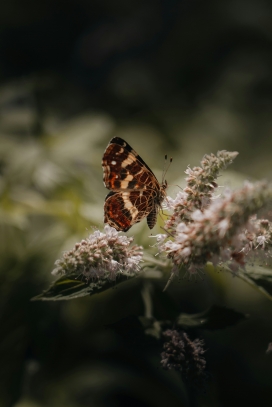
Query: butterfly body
{"points": [[135, 191]]}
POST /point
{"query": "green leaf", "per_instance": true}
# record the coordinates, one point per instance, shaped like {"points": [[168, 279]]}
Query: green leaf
{"points": [[215, 317], [71, 286], [259, 278]]}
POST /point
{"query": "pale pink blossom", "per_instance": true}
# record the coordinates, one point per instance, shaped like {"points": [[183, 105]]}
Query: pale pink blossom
{"points": [[101, 255]]}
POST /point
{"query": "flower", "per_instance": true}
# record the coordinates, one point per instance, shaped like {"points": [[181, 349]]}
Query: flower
{"points": [[101, 255], [257, 240], [160, 238], [200, 187], [184, 355], [225, 231]]}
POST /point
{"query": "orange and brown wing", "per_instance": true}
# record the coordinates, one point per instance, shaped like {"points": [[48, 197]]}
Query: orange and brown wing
{"points": [[124, 169], [136, 192], [124, 209]]}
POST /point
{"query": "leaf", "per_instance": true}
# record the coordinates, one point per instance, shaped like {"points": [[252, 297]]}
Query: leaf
{"points": [[215, 317], [71, 286], [259, 278]]}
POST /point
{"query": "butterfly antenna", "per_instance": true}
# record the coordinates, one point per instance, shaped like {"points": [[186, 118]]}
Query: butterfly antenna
{"points": [[166, 167]]}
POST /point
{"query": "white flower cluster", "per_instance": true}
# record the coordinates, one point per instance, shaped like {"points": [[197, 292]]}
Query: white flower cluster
{"points": [[257, 240], [101, 255], [200, 188], [224, 231]]}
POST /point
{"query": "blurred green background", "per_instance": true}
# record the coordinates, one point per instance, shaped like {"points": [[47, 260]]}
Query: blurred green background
{"points": [[178, 77]]}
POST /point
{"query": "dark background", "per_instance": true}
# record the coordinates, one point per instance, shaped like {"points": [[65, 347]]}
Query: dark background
{"points": [[182, 77]]}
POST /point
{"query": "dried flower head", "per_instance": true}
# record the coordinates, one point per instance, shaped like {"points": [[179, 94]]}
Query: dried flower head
{"points": [[214, 234], [201, 183], [182, 354], [257, 240], [101, 255]]}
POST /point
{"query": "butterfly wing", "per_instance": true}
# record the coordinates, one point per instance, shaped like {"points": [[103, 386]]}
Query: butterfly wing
{"points": [[124, 169], [135, 191], [125, 208]]}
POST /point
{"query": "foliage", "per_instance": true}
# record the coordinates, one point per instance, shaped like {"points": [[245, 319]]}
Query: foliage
{"points": [[51, 191]]}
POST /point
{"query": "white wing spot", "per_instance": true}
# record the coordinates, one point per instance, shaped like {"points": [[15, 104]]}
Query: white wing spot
{"points": [[116, 176], [113, 162], [124, 184], [128, 205], [129, 160]]}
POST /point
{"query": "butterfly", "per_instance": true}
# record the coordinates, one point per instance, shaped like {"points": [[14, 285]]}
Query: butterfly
{"points": [[135, 191]]}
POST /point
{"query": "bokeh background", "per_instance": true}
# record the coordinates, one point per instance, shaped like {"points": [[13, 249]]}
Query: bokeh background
{"points": [[180, 77]]}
